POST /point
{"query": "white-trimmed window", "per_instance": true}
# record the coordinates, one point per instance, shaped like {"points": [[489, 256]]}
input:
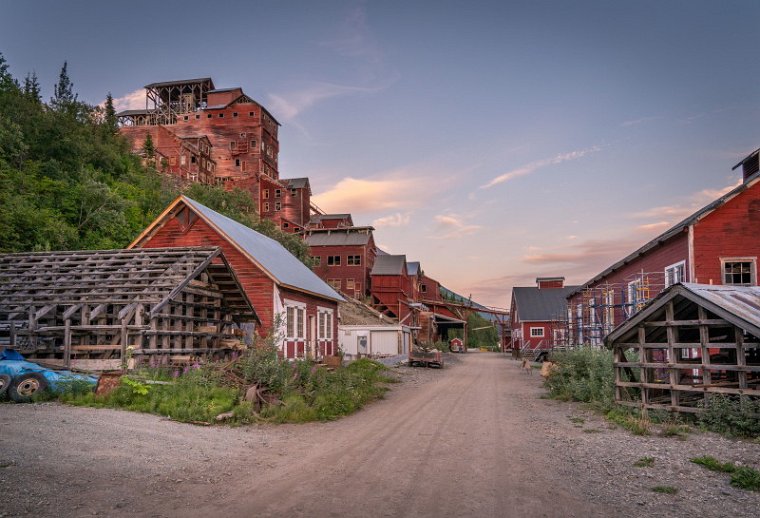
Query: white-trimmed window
{"points": [[675, 273], [739, 271], [325, 324], [536, 332], [295, 321]]}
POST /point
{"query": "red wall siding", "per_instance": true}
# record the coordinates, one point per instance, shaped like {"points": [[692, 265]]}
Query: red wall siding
{"points": [[312, 305], [257, 285], [653, 264], [359, 273], [731, 231]]}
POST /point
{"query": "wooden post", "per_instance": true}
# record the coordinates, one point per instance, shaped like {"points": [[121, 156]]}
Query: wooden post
{"points": [[704, 341], [644, 373], [672, 371], [741, 359], [124, 338], [67, 343]]}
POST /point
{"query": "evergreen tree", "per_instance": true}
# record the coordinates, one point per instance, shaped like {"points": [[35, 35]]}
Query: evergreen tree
{"points": [[64, 98], [110, 114], [32, 88], [148, 149], [7, 83]]}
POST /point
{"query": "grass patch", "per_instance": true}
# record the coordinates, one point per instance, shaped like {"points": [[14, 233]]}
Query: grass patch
{"points": [[584, 375], [733, 416], [665, 490], [634, 423], [591, 430], [294, 392], [675, 430], [742, 477], [577, 420], [644, 462]]}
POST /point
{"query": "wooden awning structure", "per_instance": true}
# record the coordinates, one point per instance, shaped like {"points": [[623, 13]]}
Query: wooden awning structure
{"points": [[58, 306], [691, 341]]}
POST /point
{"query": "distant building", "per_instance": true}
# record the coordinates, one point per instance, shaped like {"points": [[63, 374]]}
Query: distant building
{"points": [[344, 257], [718, 244], [538, 315]]}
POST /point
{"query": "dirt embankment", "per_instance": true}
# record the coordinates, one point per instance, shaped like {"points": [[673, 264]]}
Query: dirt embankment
{"points": [[474, 439]]}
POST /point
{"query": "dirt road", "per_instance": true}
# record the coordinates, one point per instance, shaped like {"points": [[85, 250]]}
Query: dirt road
{"points": [[474, 439]]}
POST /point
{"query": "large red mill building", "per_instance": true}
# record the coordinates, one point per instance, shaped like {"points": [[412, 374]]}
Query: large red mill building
{"points": [[220, 136]]}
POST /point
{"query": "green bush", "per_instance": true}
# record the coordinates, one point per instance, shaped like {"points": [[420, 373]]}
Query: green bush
{"points": [[583, 375], [736, 416]]}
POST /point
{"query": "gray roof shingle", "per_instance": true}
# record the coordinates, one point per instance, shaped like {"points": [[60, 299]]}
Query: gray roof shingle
{"points": [[338, 237], [271, 255], [389, 265], [541, 305]]}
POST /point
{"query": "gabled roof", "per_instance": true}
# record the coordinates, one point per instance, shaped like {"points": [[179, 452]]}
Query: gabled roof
{"points": [[318, 218], [541, 305], [389, 265], [296, 183], [269, 255], [673, 231], [150, 276], [739, 305], [347, 236], [413, 267]]}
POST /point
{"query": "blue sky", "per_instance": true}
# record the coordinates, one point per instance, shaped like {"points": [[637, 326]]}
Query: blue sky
{"points": [[493, 141]]}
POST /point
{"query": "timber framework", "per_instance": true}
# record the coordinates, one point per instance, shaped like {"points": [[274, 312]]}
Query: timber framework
{"points": [[103, 310]]}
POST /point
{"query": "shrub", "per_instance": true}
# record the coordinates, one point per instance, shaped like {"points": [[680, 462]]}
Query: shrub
{"points": [[737, 416], [583, 375]]}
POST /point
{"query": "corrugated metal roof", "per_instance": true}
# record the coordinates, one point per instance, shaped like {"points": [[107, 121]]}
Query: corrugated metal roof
{"points": [[126, 113], [739, 305], [337, 237], [221, 90], [316, 218], [541, 305], [673, 231], [270, 254], [389, 265], [413, 267]]}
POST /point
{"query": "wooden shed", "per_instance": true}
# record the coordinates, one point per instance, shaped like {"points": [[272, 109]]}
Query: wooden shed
{"points": [[84, 309], [691, 341]]}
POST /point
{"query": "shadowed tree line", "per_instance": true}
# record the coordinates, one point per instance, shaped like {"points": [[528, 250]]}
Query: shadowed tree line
{"points": [[68, 180]]}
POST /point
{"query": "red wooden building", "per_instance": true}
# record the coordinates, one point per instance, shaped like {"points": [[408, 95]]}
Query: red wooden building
{"points": [[243, 135], [538, 315], [391, 287], [344, 257], [281, 288], [718, 244], [331, 221]]}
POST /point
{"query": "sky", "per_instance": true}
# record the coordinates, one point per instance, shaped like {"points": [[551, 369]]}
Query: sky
{"points": [[495, 142]]}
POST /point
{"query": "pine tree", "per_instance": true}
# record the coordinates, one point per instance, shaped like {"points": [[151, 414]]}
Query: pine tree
{"points": [[32, 87], [148, 149], [64, 98], [7, 83], [110, 115]]}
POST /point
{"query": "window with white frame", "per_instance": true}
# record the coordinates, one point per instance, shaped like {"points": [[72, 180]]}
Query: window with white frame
{"points": [[325, 324], [295, 321], [675, 273], [739, 271], [634, 298], [536, 332]]}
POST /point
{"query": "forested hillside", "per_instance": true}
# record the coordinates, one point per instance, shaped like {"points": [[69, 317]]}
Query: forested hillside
{"points": [[68, 180]]}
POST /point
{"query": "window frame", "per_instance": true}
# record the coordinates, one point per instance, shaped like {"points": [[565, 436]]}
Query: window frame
{"points": [[752, 270], [536, 335], [674, 267]]}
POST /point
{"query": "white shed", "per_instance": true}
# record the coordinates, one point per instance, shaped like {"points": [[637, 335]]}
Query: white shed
{"points": [[374, 341]]}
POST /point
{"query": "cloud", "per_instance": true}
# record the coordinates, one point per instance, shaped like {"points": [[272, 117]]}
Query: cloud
{"points": [[289, 105], [539, 164], [452, 225], [131, 101], [670, 214], [642, 120], [393, 220], [659, 226], [592, 251], [371, 195]]}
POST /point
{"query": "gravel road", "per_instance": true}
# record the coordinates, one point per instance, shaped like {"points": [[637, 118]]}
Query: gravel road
{"points": [[474, 439]]}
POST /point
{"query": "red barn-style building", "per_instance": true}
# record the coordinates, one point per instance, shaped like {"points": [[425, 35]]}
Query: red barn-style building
{"points": [[281, 288], [344, 257], [718, 244], [331, 221], [391, 286], [538, 315]]}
